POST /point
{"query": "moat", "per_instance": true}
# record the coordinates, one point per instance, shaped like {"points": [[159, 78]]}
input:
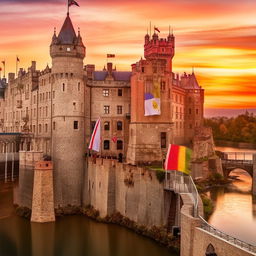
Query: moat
{"points": [[69, 235]]}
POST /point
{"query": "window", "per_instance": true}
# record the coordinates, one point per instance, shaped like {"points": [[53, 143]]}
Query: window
{"points": [[46, 128], [189, 111], [119, 126], [63, 87], [54, 125], [119, 110], [119, 144], [163, 139], [142, 69], [74, 106], [106, 126], [120, 92], [46, 111], [75, 125], [105, 92], [40, 128], [106, 109], [106, 144], [197, 111], [78, 86]]}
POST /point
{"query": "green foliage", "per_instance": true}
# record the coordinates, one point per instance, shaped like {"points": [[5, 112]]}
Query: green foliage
{"points": [[216, 177], [208, 206], [160, 175], [239, 129]]}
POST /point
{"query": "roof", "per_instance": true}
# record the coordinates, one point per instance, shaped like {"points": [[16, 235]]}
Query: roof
{"points": [[67, 33], [117, 75], [192, 82]]}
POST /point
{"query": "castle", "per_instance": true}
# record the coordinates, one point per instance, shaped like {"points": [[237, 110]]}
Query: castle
{"points": [[57, 108]]}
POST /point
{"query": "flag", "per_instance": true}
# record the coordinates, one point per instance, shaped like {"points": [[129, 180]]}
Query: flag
{"points": [[17, 59], [114, 139], [95, 139], [157, 29], [178, 158], [72, 2], [111, 55], [152, 98]]}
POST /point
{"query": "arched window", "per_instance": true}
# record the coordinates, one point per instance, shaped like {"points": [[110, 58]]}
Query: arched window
{"points": [[210, 251], [119, 145], [63, 87], [119, 125], [106, 144], [106, 126]]}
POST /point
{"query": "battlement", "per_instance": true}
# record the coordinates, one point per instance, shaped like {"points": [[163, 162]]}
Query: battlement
{"points": [[156, 47], [44, 165]]}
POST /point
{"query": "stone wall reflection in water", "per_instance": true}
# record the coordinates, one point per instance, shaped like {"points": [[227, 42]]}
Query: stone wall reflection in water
{"points": [[72, 235]]}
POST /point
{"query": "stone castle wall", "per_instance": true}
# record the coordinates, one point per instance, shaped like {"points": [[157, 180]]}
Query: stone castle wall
{"points": [[133, 191]]}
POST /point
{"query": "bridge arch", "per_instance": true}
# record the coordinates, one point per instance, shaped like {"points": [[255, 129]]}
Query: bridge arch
{"points": [[210, 251], [246, 169]]}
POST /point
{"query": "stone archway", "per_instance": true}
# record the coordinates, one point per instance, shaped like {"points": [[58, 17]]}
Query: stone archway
{"points": [[210, 251]]}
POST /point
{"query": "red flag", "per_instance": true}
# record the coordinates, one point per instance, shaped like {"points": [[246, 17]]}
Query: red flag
{"points": [[72, 2], [157, 29], [114, 139], [17, 59], [111, 55], [95, 138]]}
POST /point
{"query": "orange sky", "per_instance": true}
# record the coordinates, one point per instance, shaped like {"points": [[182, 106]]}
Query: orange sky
{"points": [[217, 37]]}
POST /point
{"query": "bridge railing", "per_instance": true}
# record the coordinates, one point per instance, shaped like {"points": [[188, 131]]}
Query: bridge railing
{"points": [[242, 156], [207, 227], [182, 183]]}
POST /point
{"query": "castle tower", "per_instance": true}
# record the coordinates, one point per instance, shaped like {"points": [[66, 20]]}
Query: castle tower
{"points": [[150, 129], [68, 98]]}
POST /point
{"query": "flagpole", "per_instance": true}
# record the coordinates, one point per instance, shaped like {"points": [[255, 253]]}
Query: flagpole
{"points": [[150, 29], [4, 68], [68, 8], [16, 65]]}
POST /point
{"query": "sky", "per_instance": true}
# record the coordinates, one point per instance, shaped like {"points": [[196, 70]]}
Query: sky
{"points": [[216, 37]]}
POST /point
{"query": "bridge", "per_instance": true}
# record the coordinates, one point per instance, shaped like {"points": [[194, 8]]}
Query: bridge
{"points": [[198, 237], [241, 160], [10, 145]]}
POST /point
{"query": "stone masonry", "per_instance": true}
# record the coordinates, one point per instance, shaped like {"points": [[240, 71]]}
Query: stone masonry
{"points": [[43, 203]]}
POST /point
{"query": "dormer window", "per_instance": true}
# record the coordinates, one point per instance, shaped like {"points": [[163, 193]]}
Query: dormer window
{"points": [[68, 49]]}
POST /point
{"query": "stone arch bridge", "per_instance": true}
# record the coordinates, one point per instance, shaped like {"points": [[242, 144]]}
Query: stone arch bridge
{"points": [[241, 160]]}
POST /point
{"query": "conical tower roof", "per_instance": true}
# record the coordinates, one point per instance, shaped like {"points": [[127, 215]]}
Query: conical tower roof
{"points": [[67, 33]]}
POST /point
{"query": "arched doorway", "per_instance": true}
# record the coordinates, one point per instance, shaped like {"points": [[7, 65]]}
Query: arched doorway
{"points": [[210, 251]]}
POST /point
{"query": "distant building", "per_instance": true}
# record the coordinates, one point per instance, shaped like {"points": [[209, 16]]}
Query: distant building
{"points": [[59, 106]]}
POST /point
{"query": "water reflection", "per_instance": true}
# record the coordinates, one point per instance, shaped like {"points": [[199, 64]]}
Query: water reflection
{"points": [[70, 235], [235, 208]]}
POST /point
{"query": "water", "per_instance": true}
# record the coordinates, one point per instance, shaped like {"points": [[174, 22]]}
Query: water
{"points": [[235, 211], [68, 236]]}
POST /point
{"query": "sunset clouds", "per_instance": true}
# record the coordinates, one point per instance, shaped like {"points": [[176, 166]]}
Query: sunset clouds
{"points": [[217, 37]]}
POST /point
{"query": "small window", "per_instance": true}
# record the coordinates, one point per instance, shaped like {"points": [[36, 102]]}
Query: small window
{"points": [[106, 126], [105, 92], [106, 109], [46, 128], [119, 110], [197, 111], [143, 69], [163, 139], [78, 86], [74, 106], [54, 125], [63, 87], [189, 111], [119, 145], [75, 125], [106, 144], [119, 126], [120, 92], [40, 128]]}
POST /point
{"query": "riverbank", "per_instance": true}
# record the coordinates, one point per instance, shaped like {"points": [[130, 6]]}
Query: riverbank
{"points": [[240, 145]]}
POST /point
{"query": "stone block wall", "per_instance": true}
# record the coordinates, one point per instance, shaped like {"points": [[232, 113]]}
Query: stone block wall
{"points": [[133, 191]]}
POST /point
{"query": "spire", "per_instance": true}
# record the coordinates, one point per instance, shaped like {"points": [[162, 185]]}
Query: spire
{"points": [[67, 33]]}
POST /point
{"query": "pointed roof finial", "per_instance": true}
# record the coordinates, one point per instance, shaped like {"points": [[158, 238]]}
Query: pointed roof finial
{"points": [[169, 29], [78, 31], [54, 31], [192, 69]]}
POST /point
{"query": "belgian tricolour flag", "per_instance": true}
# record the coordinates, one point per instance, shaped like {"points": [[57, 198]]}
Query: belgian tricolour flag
{"points": [[178, 158]]}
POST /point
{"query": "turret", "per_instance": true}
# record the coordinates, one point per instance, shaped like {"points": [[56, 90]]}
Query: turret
{"points": [[68, 90], [160, 48]]}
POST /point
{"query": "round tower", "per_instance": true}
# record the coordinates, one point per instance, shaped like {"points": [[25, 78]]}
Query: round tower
{"points": [[68, 122]]}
